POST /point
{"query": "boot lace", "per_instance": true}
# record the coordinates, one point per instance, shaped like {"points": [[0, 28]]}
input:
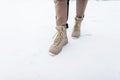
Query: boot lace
{"points": [[58, 38]]}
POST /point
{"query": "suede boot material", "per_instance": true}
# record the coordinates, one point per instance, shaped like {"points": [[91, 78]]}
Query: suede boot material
{"points": [[76, 28], [60, 40]]}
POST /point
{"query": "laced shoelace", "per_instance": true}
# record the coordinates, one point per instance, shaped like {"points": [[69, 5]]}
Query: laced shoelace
{"points": [[58, 38]]}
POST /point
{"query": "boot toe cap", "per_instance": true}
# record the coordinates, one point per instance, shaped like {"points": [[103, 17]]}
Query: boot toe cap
{"points": [[76, 34], [54, 50]]}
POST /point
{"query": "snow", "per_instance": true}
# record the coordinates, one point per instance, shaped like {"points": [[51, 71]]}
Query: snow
{"points": [[26, 31]]}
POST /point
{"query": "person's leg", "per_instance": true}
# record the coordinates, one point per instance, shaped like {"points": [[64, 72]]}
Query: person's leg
{"points": [[61, 8], [80, 10]]}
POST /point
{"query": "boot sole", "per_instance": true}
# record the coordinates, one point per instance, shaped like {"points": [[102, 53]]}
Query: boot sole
{"points": [[55, 52]]}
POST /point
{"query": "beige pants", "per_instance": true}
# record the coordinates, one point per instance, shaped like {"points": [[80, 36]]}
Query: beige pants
{"points": [[62, 8]]}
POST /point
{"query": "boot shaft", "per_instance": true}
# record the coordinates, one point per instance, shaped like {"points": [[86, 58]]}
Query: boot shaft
{"points": [[61, 31]]}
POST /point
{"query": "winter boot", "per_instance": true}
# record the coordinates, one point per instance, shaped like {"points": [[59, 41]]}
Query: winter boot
{"points": [[60, 40], [76, 28]]}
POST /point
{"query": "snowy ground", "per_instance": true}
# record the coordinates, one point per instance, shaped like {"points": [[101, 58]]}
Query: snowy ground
{"points": [[26, 31]]}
